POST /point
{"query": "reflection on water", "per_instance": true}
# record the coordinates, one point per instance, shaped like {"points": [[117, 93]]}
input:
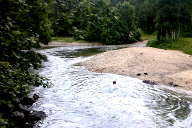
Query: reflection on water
{"points": [[83, 99], [71, 52]]}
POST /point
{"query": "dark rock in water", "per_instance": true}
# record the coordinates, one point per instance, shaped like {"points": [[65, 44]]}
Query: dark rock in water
{"points": [[36, 116], [146, 81], [29, 125], [145, 73], [27, 101], [114, 82], [18, 115], [173, 84], [149, 82], [24, 109], [139, 74], [26, 118], [35, 97], [23, 116], [170, 83], [17, 100]]}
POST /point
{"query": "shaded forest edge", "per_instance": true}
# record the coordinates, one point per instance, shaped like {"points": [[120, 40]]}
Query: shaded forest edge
{"points": [[23, 26], [121, 21], [182, 44]]}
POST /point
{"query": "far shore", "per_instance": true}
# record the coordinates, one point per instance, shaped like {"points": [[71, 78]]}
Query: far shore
{"points": [[64, 43], [59, 44], [152, 65]]}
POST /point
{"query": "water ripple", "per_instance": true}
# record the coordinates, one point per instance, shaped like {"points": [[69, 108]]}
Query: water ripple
{"points": [[83, 99]]}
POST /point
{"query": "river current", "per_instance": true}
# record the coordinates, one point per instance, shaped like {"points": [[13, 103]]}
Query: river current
{"points": [[82, 99]]}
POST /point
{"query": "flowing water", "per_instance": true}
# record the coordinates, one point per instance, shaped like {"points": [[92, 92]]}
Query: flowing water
{"points": [[83, 99]]}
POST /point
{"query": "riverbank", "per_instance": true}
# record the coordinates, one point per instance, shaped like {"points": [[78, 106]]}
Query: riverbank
{"points": [[154, 66], [184, 44], [69, 41], [17, 80], [63, 43], [58, 44]]}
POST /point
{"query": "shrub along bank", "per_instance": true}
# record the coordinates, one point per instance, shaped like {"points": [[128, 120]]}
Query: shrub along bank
{"points": [[23, 26], [183, 44], [15, 85]]}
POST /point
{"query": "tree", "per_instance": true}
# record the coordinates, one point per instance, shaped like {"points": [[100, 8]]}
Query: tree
{"points": [[64, 16], [24, 25], [146, 15], [128, 21], [98, 20], [171, 20]]}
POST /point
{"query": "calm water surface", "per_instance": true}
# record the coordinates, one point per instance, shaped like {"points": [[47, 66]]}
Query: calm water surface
{"points": [[83, 99]]}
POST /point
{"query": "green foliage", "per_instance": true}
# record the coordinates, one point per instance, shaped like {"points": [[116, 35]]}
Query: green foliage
{"points": [[128, 22], [67, 39], [146, 15], [172, 18], [183, 44], [148, 36], [30, 59], [24, 25], [14, 84], [97, 21], [117, 21], [16, 81], [64, 16]]}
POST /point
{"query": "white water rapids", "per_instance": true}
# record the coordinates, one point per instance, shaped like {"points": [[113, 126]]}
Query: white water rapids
{"points": [[83, 99]]}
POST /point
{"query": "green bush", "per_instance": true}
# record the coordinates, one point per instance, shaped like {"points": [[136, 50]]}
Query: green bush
{"points": [[23, 26], [184, 45], [14, 84]]}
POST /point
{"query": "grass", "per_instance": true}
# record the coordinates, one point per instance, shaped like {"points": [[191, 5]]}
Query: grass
{"points": [[183, 44], [145, 36], [67, 39]]}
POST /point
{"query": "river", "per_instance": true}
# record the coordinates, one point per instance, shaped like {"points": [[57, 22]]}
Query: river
{"points": [[82, 99]]}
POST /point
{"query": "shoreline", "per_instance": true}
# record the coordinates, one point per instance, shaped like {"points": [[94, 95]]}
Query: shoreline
{"points": [[154, 66], [60, 44]]}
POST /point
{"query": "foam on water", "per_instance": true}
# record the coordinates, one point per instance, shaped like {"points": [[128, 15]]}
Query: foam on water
{"points": [[83, 99]]}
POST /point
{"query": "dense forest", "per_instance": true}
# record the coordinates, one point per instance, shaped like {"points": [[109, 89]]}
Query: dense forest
{"points": [[121, 21], [25, 24]]}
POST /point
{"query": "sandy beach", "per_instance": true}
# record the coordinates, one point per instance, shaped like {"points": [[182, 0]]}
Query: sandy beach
{"points": [[152, 65]]}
